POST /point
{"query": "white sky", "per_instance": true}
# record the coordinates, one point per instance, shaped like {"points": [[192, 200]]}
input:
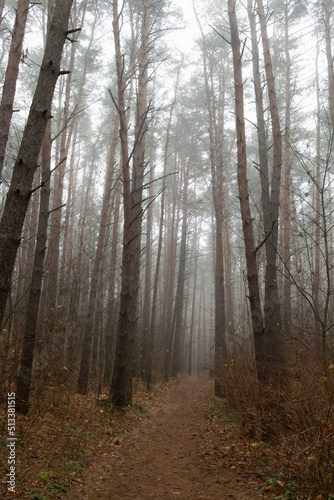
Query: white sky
{"points": [[184, 39]]}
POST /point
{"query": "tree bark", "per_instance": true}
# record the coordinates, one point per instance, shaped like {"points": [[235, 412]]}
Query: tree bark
{"points": [[247, 226], [53, 253], [179, 299], [261, 128], [121, 383], [286, 197], [272, 307], [19, 193], [23, 385], [317, 187], [147, 301], [170, 266], [193, 305], [12, 71]]}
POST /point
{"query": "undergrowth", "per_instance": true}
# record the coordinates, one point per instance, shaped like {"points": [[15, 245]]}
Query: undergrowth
{"points": [[63, 433], [290, 422]]}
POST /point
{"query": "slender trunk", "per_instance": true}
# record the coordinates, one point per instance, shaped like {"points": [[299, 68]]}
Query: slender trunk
{"points": [[286, 198], [179, 299], [247, 226], [170, 265], [147, 303], [27, 255], [261, 128], [317, 187], [139, 163], [121, 384], [24, 379], [193, 307], [53, 253], [230, 313], [12, 71], [272, 303]]}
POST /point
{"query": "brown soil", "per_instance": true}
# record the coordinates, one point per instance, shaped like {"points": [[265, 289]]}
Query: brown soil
{"points": [[177, 450]]}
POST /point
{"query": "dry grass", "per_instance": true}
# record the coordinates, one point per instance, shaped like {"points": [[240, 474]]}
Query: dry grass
{"points": [[295, 415], [63, 433]]}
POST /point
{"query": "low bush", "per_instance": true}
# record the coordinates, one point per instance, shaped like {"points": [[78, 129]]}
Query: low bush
{"points": [[294, 414]]}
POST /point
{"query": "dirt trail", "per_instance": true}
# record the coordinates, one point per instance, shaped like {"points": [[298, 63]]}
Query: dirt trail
{"points": [[176, 451]]}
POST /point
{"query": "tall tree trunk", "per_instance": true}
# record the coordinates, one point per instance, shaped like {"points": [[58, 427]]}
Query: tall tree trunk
{"points": [[330, 69], [286, 198], [26, 260], [57, 201], [193, 306], [261, 128], [24, 379], [139, 162], [317, 187], [170, 266], [272, 312], [179, 299], [19, 193], [230, 312], [147, 302], [247, 226], [217, 181], [121, 383], [12, 71]]}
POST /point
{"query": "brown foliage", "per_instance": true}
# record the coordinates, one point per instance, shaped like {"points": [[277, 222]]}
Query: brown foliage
{"points": [[295, 415]]}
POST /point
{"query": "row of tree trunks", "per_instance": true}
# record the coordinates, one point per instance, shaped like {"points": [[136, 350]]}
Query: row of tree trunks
{"points": [[19, 193], [112, 313], [154, 309], [216, 162], [65, 132], [97, 266]]}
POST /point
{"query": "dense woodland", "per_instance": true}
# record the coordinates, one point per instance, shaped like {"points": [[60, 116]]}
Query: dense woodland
{"points": [[167, 209]]}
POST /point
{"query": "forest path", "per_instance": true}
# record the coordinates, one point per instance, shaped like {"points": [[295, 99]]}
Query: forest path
{"points": [[176, 451]]}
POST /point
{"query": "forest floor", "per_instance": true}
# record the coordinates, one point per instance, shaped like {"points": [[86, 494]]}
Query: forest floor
{"points": [[177, 441], [177, 450]]}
